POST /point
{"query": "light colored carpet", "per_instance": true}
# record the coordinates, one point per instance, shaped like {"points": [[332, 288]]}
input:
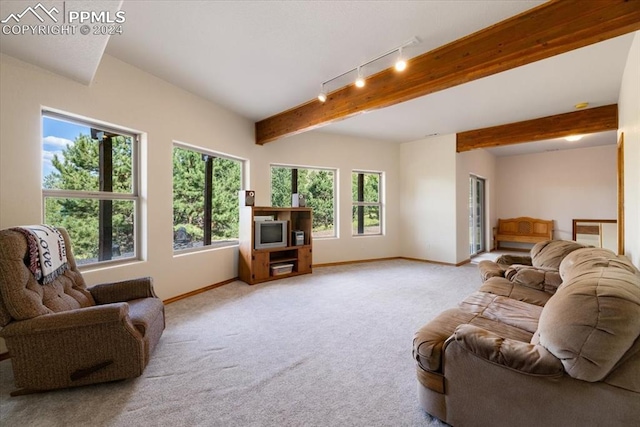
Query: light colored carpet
{"points": [[328, 349]]}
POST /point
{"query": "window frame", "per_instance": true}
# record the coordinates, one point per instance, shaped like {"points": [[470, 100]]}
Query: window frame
{"points": [[335, 234], [133, 196], [218, 244], [379, 204]]}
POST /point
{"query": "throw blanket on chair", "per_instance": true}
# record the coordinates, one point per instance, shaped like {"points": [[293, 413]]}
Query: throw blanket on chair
{"points": [[47, 252]]}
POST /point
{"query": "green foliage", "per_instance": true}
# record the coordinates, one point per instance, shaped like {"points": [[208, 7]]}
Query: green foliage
{"points": [[317, 185], [188, 192], [78, 169], [371, 194], [188, 195], [280, 187], [371, 187], [227, 182]]}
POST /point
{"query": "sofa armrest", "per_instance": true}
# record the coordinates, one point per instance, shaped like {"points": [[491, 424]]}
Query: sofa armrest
{"points": [[516, 355], [489, 269], [73, 319], [514, 259], [123, 291]]}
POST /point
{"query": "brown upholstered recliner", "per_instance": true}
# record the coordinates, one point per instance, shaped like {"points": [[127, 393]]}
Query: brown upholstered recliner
{"points": [[64, 334]]}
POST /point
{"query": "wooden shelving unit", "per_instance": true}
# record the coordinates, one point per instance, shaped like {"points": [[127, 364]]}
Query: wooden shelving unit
{"points": [[254, 265]]}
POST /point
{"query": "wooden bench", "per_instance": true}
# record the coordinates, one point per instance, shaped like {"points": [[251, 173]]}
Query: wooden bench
{"points": [[522, 230]]}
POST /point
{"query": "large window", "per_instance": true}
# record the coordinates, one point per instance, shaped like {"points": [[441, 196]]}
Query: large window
{"points": [[205, 198], [367, 202], [318, 188], [90, 187]]}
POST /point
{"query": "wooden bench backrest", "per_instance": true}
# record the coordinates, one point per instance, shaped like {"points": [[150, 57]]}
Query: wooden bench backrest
{"points": [[524, 230], [526, 226]]}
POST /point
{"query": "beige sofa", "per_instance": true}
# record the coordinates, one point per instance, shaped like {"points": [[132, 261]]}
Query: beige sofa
{"points": [[572, 359], [533, 278]]}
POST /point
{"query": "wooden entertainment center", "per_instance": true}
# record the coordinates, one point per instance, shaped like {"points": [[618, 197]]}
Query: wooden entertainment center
{"points": [[261, 265]]}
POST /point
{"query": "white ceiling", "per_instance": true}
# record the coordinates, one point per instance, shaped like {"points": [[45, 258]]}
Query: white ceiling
{"points": [[76, 57], [259, 58]]}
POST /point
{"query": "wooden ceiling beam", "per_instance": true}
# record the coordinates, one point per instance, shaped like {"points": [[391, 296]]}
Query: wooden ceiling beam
{"points": [[581, 122], [550, 29]]}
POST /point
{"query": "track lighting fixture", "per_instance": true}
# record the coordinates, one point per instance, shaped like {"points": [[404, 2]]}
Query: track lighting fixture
{"points": [[573, 138], [322, 96], [400, 65], [360, 79]]}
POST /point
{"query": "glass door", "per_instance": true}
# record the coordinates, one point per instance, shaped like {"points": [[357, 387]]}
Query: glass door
{"points": [[476, 215]]}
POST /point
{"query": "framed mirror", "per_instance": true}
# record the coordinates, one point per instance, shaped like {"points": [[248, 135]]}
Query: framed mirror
{"points": [[601, 233]]}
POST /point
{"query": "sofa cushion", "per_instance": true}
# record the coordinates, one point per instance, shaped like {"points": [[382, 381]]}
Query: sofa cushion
{"points": [[541, 278], [549, 254], [506, 288], [586, 258], [592, 320], [504, 310]]}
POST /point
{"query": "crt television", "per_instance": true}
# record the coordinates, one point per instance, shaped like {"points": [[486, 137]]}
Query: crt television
{"points": [[270, 234]]}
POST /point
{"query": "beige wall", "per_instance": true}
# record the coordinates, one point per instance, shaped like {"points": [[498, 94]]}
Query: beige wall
{"points": [[629, 123], [559, 185], [428, 199], [482, 164], [125, 96], [346, 154]]}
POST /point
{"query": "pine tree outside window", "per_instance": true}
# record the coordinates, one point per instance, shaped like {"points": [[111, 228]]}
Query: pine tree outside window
{"points": [[366, 189], [318, 187], [90, 187], [205, 198]]}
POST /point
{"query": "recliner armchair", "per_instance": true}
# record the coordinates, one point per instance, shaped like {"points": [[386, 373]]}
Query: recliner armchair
{"points": [[64, 334]]}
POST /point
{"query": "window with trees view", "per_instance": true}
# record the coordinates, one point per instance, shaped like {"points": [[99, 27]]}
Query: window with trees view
{"points": [[318, 188], [205, 198], [367, 202], [90, 187]]}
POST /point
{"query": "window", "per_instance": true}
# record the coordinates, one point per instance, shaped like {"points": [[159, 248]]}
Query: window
{"points": [[90, 187], [318, 187], [367, 202], [205, 198], [476, 215]]}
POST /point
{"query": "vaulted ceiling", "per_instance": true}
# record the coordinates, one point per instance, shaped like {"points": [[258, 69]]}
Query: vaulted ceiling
{"points": [[259, 58]]}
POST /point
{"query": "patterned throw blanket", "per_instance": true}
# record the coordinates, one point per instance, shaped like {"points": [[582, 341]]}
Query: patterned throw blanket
{"points": [[47, 253]]}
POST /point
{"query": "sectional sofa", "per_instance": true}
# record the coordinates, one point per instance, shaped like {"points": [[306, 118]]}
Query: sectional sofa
{"points": [[549, 351]]}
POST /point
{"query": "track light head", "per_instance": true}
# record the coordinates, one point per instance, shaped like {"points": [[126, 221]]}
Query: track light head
{"points": [[401, 64], [322, 96], [360, 79], [573, 138]]}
